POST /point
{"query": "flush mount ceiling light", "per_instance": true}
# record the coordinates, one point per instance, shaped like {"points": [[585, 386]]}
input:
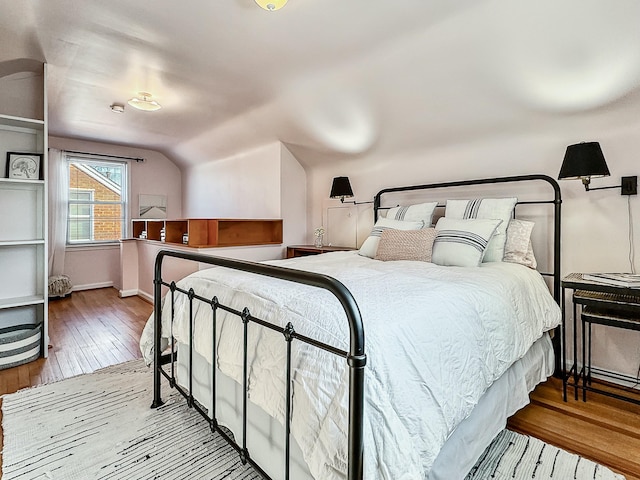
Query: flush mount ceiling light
{"points": [[271, 5], [144, 102]]}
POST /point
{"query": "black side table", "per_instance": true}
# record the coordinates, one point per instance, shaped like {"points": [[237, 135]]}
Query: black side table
{"points": [[600, 304]]}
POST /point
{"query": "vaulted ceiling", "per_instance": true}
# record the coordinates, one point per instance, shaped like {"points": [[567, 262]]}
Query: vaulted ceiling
{"points": [[332, 79]]}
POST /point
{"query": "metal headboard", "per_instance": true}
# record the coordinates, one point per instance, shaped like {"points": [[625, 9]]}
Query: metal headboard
{"points": [[556, 201]]}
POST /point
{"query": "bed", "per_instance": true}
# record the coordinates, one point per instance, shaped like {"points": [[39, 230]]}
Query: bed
{"points": [[451, 353]]}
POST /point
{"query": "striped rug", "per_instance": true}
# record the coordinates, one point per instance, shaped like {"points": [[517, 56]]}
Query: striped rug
{"points": [[100, 426], [512, 455]]}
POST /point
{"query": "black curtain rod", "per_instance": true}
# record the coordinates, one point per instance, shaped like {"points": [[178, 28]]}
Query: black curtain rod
{"points": [[137, 159]]}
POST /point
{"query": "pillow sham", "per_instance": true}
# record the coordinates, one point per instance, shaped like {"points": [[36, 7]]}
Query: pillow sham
{"points": [[370, 245], [518, 247], [406, 245], [486, 208], [413, 213], [462, 242]]}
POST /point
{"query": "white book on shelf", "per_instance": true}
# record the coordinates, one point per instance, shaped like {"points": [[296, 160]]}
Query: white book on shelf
{"points": [[629, 280]]}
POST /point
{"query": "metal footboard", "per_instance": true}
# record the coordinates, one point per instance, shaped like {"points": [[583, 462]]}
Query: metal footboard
{"points": [[355, 357]]}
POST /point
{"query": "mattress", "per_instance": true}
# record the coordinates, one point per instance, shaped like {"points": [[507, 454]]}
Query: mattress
{"points": [[437, 339]]}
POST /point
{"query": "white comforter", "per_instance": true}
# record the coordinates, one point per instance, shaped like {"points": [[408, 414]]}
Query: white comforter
{"points": [[436, 338]]}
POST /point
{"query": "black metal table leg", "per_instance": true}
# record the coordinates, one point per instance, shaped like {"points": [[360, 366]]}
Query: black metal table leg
{"points": [[563, 347], [589, 353], [576, 374], [584, 362]]}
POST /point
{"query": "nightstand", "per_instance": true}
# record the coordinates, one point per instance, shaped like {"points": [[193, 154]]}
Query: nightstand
{"points": [[304, 250], [599, 304]]}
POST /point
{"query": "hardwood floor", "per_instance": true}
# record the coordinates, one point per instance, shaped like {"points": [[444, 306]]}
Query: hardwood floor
{"points": [[93, 329], [601, 429]]}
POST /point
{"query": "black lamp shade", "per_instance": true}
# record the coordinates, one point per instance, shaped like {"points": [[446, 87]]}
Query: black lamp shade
{"points": [[583, 160], [341, 188]]}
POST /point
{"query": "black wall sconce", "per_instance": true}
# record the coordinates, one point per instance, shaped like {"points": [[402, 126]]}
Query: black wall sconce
{"points": [[585, 160], [341, 188]]}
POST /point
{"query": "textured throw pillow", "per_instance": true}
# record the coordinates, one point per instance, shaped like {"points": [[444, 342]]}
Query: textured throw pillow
{"points": [[413, 213], [462, 242], [486, 208], [370, 245], [406, 245], [518, 248]]}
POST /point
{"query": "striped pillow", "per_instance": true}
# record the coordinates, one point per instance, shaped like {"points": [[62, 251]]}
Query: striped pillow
{"points": [[462, 242], [486, 208], [406, 245], [413, 213], [370, 245]]}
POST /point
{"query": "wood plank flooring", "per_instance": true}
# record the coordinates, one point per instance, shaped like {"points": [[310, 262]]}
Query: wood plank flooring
{"points": [[601, 429], [95, 328]]}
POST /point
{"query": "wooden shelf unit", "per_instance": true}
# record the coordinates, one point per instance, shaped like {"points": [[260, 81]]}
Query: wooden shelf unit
{"points": [[212, 232]]}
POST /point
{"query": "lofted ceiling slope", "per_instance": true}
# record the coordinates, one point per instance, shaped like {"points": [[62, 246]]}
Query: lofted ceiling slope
{"points": [[331, 79]]}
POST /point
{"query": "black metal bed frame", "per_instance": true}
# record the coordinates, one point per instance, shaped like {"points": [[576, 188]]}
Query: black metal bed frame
{"points": [[355, 357]]}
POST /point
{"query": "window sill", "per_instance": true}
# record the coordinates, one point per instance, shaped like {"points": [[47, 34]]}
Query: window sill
{"points": [[93, 246]]}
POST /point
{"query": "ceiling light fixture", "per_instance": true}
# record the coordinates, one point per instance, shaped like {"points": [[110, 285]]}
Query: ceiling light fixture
{"points": [[117, 108], [271, 5], [145, 103]]}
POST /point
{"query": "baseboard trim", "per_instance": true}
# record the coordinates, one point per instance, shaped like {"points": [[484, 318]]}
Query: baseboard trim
{"points": [[127, 293], [91, 286], [145, 296]]}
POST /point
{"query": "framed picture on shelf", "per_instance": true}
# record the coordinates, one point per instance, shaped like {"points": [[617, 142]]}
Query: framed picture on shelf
{"points": [[24, 166]]}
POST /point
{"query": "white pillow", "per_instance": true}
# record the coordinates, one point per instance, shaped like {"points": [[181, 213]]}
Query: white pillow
{"points": [[413, 213], [462, 242], [486, 208], [370, 245], [518, 248]]}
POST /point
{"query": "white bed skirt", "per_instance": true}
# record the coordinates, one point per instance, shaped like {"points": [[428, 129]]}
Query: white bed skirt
{"points": [[265, 435]]}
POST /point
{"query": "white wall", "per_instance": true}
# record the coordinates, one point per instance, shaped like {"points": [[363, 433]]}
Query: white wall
{"points": [[246, 185], [175, 268], [594, 224], [293, 199], [21, 94], [91, 267], [266, 182]]}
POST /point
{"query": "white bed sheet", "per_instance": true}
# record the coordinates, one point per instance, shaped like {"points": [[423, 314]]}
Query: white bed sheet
{"points": [[416, 315], [459, 454]]}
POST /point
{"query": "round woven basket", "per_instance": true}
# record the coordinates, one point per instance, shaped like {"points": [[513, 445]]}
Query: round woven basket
{"points": [[59, 286], [19, 344]]}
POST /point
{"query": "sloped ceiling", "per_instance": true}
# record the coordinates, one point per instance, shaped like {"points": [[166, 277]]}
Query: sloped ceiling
{"points": [[332, 79]]}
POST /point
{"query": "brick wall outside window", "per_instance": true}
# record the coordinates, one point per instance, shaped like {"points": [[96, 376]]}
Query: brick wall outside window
{"points": [[107, 218]]}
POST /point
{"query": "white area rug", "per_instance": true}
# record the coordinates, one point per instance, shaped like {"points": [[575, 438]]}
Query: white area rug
{"points": [[512, 455], [100, 426]]}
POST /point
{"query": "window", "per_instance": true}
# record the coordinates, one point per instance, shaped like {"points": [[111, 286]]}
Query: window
{"points": [[80, 215], [97, 200]]}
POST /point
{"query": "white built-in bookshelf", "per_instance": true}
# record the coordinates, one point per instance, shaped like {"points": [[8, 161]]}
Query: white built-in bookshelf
{"points": [[23, 221]]}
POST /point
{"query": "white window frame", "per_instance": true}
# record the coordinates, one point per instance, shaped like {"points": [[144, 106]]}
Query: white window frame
{"points": [[90, 216], [85, 159]]}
